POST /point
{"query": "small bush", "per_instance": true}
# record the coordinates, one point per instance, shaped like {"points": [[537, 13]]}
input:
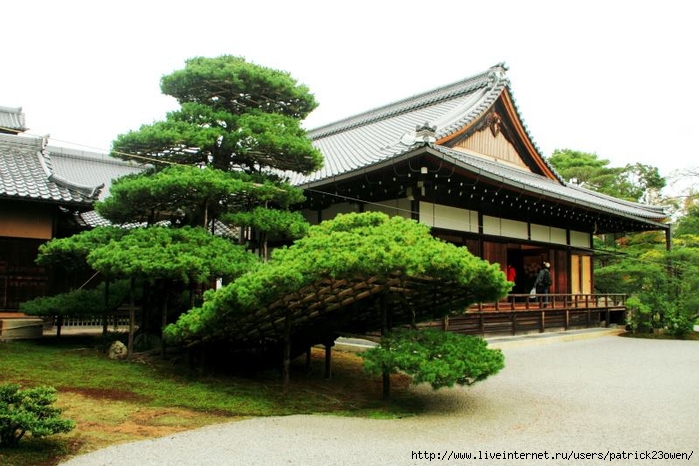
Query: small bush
{"points": [[439, 358], [29, 410], [639, 317]]}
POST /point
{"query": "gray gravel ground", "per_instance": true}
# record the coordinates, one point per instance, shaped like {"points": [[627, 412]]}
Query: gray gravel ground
{"points": [[608, 394]]}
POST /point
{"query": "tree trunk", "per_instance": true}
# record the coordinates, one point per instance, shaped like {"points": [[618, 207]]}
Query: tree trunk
{"points": [[287, 353], [166, 287]]}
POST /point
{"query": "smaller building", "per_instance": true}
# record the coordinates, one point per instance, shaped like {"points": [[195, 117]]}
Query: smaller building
{"points": [[44, 191]]}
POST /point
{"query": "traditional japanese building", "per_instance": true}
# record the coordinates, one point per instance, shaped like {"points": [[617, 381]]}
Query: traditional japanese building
{"points": [[460, 159]]}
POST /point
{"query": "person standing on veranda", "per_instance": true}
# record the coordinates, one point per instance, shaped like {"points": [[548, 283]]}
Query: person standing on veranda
{"points": [[543, 282]]}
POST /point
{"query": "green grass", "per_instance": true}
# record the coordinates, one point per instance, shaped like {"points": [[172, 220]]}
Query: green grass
{"points": [[114, 402]]}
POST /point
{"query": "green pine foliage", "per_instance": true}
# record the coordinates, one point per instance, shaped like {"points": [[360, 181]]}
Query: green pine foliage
{"points": [[441, 359], [189, 254], [348, 246], [235, 116], [29, 410], [71, 252], [275, 223], [190, 194]]}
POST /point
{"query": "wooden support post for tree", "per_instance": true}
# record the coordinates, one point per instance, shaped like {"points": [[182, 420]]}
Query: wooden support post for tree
{"points": [[308, 360], [59, 324], [132, 317], [164, 318], [287, 353], [105, 315], [386, 376], [328, 358]]}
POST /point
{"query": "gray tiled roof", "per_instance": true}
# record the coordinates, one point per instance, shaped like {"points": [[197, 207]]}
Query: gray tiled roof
{"points": [[90, 168], [26, 172], [381, 135], [11, 119]]}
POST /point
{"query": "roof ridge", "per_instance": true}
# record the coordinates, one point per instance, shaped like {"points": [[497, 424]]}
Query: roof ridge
{"points": [[448, 91]]}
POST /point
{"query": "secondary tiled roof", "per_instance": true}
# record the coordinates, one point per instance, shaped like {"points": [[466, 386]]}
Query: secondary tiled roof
{"points": [[376, 137], [532, 183], [93, 219], [90, 168], [11, 120], [26, 172]]}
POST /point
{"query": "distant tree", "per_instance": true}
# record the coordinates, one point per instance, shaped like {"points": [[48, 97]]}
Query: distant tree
{"points": [[689, 223], [583, 169], [660, 283], [634, 182]]}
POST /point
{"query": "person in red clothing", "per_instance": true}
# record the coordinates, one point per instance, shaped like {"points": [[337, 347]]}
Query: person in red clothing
{"points": [[511, 273]]}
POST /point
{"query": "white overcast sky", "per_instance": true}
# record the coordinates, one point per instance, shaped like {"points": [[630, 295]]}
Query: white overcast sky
{"points": [[615, 78]]}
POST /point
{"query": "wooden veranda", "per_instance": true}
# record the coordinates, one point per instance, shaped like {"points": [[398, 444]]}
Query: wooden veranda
{"points": [[518, 314]]}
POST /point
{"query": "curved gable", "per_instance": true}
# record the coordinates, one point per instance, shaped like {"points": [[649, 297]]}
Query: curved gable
{"points": [[499, 135]]}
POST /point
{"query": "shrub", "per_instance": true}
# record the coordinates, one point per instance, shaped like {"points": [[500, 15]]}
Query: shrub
{"points": [[29, 410], [439, 358], [639, 317]]}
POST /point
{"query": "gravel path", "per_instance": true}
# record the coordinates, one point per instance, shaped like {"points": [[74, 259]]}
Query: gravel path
{"points": [[598, 395]]}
